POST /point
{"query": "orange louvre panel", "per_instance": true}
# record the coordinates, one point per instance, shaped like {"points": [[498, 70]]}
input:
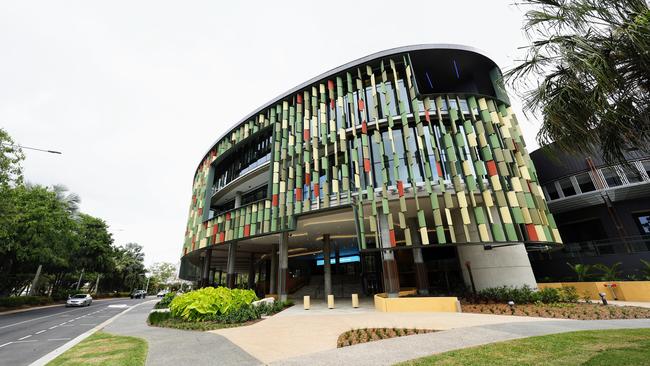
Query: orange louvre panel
{"points": [[532, 233]]}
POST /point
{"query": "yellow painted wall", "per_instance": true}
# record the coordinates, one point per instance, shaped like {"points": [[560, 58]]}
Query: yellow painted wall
{"points": [[624, 290], [415, 304]]}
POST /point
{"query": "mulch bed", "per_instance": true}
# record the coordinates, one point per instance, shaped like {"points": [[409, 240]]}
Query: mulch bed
{"points": [[365, 335], [581, 311]]}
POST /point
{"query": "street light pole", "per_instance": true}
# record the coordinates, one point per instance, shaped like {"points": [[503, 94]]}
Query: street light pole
{"points": [[32, 148]]}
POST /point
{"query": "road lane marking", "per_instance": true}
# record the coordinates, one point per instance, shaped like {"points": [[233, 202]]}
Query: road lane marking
{"points": [[62, 324], [59, 339], [30, 320], [25, 337], [33, 340], [40, 331], [6, 344], [53, 327]]}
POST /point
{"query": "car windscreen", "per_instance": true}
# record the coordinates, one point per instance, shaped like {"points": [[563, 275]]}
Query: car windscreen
{"points": [[79, 296]]}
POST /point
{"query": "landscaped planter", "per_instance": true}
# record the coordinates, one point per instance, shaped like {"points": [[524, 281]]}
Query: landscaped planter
{"points": [[403, 303], [622, 290]]}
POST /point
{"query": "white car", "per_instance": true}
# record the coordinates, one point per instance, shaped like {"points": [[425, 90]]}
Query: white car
{"points": [[162, 293], [79, 300]]}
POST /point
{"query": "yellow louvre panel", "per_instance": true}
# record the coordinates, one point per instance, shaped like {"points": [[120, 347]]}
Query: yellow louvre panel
{"points": [[483, 232], [291, 173], [467, 170], [540, 233], [203, 243], [495, 117], [424, 236], [482, 104], [462, 200], [482, 141], [487, 199], [505, 215], [464, 213], [471, 139], [407, 236], [496, 184], [357, 181], [524, 172], [335, 186], [526, 214], [448, 217], [505, 132], [373, 224], [519, 159], [556, 235], [512, 199], [516, 184], [283, 187], [543, 217]]}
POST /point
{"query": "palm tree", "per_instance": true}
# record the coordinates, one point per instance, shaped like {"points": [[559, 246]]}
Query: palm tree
{"points": [[646, 269], [581, 271], [71, 200], [587, 72], [609, 273]]}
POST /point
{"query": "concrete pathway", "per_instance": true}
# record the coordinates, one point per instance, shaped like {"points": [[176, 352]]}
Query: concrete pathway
{"points": [[296, 332], [178, 347], [390, 351]]}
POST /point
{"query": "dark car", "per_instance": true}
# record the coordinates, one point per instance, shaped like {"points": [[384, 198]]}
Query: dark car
{"points": [[138, 294]]}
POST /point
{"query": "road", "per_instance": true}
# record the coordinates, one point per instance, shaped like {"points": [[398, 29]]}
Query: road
{"points": [[27, 336]]}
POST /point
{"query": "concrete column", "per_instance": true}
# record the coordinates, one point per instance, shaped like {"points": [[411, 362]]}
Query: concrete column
{"points": [[389, 265], [421, 273], [251, 272], [237, 199], [206, 268], [274, 270], [500, 266], [232, 260], [327, 267], [283, 268], [211, 278]]}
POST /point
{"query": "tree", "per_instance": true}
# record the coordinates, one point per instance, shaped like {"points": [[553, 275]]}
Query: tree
{"points": [[581, 271], [587, 71], [609, 273], [71, 200], [161, 273], [11, 172]]}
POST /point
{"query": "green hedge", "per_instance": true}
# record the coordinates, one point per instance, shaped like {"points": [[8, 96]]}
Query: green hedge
{"points": [[526, 295], [208, 302], [18, 301]]}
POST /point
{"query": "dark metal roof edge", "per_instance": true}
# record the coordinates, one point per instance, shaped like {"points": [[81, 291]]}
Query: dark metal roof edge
{"points": [[338, 69]]}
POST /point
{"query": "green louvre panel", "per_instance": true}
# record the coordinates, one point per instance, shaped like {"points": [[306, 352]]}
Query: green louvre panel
{"points": [[460, 141], [503, 169], [530, 203], [480, 215], [480, 168], [551, 221], [517, 215], [384, 205], [498, 154], [511, 233], [534, 217], [447, 141], [440, 234], [470, 181], [434, 201], [494, 141], [485, 117], [437, 217], [497, 232], [453, 114], [422, 222], [487, 153], [501, 199]]}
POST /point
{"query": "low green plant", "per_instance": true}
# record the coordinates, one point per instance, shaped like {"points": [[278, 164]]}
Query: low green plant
{"points": [[549, 295], [165, 301], [568, 294], [158, 317], [646, 269], [582, 271], [208, 302], [18, 301], [609, 273]]}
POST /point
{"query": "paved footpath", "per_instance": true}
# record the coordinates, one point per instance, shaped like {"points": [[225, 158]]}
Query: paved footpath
{"points": [[26, 336], [179, 347], [391, 351]]}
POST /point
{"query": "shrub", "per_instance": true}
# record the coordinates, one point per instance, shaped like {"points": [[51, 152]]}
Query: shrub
{"points": [[522, 295], [18, 301], [549, 295], [158, 317], [165, 301], [569, 294], [209, 302]]}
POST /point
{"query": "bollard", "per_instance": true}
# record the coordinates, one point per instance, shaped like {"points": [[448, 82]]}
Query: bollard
{"points": [[355, 300], [306, 302], [330, 301]]}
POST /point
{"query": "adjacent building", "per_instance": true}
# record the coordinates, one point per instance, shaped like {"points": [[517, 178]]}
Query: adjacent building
{"points": [[405, 168], [602, 211]]}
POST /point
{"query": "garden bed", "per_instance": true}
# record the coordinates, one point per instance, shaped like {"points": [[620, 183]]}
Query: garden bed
{"points": [[358, 336], [581, 311]]}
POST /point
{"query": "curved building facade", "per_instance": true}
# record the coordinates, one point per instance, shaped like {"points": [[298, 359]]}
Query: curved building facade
{"points": [[405, 168]]}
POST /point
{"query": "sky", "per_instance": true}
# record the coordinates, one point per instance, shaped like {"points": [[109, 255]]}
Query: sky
{"points": [[134, 92]]}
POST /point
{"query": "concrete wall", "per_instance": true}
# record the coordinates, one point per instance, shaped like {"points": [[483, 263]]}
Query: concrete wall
{"points": [[501, 266], [622, 290]]}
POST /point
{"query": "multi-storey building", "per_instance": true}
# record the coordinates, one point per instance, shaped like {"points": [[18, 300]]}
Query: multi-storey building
{"points": [[407, 168]]}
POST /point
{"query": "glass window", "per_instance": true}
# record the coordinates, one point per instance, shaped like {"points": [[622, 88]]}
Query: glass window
{"points": [[643, 221], [403, 94], [646, 167], [567, 187], [585, 183], [611, 176], [552, 191], [633, 174]]}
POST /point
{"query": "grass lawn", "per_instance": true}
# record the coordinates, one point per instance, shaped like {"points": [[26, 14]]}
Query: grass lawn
{"points": [[105, 349], [597, 347]]}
